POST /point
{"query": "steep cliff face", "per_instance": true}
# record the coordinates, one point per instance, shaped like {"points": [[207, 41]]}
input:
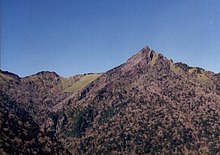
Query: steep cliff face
{"points": [[147, 105]]}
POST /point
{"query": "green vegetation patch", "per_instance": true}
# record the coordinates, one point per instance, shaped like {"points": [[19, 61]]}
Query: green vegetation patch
{"points": [[4, 79], [106, 114], [154, 58], [82, 120], [202, 77], [73, 85], [218, 88], [199, 73], [109, 112], [175, 68]]}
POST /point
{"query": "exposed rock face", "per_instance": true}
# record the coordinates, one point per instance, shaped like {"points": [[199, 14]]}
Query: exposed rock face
{"points": [[147, 105]]}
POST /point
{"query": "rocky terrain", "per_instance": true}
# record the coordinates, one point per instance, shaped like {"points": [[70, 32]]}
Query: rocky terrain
{"points": [[148, 105]]}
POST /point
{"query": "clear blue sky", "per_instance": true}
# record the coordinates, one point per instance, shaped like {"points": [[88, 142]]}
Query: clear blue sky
{"points": [[79, 36]]}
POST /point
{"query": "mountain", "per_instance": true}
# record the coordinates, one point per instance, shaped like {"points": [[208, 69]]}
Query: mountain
{"points": [[26, 104], [38, 93], [147, 105]]}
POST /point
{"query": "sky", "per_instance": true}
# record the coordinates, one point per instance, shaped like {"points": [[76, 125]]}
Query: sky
{"points": [[83, 36]]}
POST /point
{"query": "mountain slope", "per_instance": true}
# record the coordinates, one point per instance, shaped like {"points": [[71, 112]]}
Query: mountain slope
{"points": [[21, 135], [147, 105], [25, 105], [38, 93]]}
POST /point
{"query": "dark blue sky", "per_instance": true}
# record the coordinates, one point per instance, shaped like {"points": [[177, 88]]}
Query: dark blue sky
{"points": [[79, 36]]}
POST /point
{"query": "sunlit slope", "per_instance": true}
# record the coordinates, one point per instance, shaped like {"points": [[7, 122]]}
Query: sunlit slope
{"points": [[75, 83]]}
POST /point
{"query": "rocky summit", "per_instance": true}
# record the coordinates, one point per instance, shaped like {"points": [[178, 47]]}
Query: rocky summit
{"points": [[147, 105]]}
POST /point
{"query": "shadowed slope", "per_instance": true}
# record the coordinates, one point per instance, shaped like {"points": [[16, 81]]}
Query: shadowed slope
{"points": [[21, 135]]}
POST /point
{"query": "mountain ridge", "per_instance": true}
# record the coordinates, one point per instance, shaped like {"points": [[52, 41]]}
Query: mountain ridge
{"points": [[149, 104], [123, 85]]}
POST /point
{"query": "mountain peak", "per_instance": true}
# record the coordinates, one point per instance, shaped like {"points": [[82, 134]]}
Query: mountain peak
{"points": [[145, 56], [150, 102], [45, 73], [9, 74]]}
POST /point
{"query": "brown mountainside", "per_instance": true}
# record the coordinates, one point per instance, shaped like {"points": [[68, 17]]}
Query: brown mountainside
{"points": [[21, 135], [32, 98], [38, 93], [149, 104]]}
